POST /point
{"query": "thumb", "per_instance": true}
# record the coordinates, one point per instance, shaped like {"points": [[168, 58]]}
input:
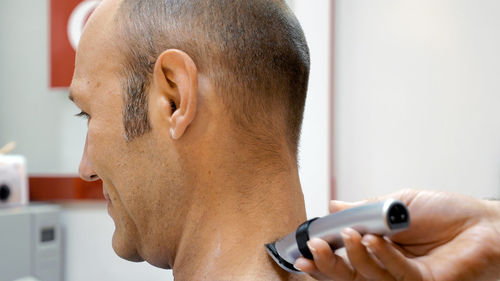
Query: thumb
{"points": [[406, 195], [336, 205]]}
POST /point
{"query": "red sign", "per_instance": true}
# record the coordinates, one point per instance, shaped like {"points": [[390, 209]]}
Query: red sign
{"points": [[67, 18]]}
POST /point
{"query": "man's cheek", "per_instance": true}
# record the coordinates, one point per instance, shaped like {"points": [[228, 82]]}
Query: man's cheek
{"points": [[99, 144]]}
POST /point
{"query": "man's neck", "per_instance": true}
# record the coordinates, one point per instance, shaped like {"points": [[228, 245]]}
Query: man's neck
{"points": [[230, 221]]}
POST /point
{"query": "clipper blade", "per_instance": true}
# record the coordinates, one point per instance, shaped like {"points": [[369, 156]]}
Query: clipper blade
{"points": [[271, 250]]}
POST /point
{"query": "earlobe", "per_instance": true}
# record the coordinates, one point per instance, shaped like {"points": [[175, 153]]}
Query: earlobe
{"points": [[172, 133], [176, 79]]}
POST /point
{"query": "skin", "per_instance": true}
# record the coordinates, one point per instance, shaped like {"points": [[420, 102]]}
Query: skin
{"points": [[452, 237], [188, 195]]}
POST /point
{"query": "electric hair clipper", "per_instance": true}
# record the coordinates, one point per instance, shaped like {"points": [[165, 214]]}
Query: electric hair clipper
{"points": [[380, 218]]}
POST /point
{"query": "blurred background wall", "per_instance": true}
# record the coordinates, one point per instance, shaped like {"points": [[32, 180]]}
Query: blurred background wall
{"points": [[39, 119], [415, 105], [417, 96]]}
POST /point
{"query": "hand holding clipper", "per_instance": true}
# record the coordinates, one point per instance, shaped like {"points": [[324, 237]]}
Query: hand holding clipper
{"points": [[380, 218]]}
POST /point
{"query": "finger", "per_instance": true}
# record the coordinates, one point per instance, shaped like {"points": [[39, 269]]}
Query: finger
{"points": [[360, 259], [308, 266], [394, 261], [336, 205], [328, 263], [405, 195]]}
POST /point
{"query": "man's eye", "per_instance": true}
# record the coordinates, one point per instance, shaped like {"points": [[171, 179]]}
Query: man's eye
{"points": [[83, 115]]}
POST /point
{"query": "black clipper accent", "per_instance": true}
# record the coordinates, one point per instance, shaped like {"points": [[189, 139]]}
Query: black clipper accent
{"points": [[302, 236], [272, 249]]}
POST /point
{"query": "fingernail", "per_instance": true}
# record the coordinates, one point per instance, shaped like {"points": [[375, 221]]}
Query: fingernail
{"points": [[347, 233], [299, 264], [368, 240], [311, 247], [336, 203]]}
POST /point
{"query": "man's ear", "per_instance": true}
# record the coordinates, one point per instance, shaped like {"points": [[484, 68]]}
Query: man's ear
{"points": [[175, 80]]}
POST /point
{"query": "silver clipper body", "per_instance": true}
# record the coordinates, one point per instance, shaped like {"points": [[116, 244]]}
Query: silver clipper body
{"points": [[381, 218]]}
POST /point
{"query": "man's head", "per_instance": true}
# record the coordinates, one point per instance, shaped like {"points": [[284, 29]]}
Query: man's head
{"points": [[168, 86], [254, 52]]}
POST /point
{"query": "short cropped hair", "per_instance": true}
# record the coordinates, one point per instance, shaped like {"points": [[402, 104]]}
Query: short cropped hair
{"points": [[254, 52]]}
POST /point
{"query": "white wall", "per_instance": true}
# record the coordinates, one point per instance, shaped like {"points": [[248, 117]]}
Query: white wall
{"points": [[41, 122], [37, 118], [417, 96], [314, 143]]}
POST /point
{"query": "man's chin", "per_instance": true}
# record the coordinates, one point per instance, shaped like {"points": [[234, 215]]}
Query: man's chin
{"points": [[125, 250], [128, 252]]}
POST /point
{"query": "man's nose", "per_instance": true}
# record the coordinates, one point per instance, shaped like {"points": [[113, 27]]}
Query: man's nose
{"points": [[86, 170]]}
